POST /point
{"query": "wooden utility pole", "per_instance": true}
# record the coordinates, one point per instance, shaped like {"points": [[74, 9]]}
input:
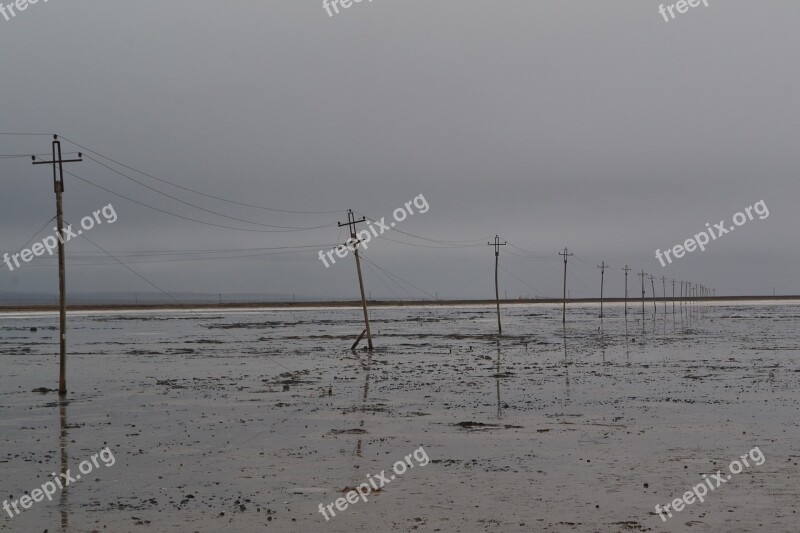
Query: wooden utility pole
{"points": [[351, 223], [673, 296], [643, 276], [664, 286], [58, 186], [652, 284], [602, 266], [497, 244], [626, 269], [564, 309]]}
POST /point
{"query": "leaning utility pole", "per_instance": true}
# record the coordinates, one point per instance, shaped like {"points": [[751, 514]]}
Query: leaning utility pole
{"points": [[58, 186], [564, 309], [602, 266], [664, 286], [626, 269], [643, 276], [497, 244], [351, 223], [652, 284]]}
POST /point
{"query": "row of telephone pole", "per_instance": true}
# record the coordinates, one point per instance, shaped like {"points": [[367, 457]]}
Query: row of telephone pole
{"points": [[690, 290]]}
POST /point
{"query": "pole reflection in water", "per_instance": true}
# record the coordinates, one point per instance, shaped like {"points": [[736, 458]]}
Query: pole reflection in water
{"points": [[603, 352], [655, 325], [63, 440], [497, 380], [627, 345], [367, 366], [673, 320], [566, 363]]}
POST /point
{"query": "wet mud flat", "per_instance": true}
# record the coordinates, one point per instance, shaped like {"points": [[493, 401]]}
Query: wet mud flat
{"points": [[248, 420]]}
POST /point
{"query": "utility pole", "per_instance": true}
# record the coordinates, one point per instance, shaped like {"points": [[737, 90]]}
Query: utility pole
{"points": [[602, 266], [664, 286], [626, 269], [351, 223], [58, 186], [652, 284], [673, 296], [643, 276], [564, 309], [497, 244]]}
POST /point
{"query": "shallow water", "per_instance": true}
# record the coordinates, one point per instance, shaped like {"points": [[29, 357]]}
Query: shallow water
{"points": [[248, 420]]}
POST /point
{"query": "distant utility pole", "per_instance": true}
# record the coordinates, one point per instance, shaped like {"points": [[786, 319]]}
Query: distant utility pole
{"points": [[58, 186], [652, 284], [602, 266], [626, 269], [351, 223], [673, 296], [664, 286], [497, 244], [643, 276], [564, 309]]}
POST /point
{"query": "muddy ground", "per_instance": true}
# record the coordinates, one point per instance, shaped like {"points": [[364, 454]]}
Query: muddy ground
{"points": [[245, 421]]}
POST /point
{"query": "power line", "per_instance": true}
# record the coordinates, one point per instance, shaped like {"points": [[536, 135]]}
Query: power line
{"points": [[162, 180], [29, 134], [441, 247], [191, 259], [33, 236], [535, 290], [474, 242], [534, 255], [168, 295], [398, 277], [175, 214], [199, 207]]}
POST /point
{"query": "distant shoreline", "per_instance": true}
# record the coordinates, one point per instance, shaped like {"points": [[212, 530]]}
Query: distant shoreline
{"points": [[372, 303]]}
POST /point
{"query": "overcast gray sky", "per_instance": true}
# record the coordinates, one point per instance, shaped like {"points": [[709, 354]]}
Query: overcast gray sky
{"points": [[594, 125]]}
